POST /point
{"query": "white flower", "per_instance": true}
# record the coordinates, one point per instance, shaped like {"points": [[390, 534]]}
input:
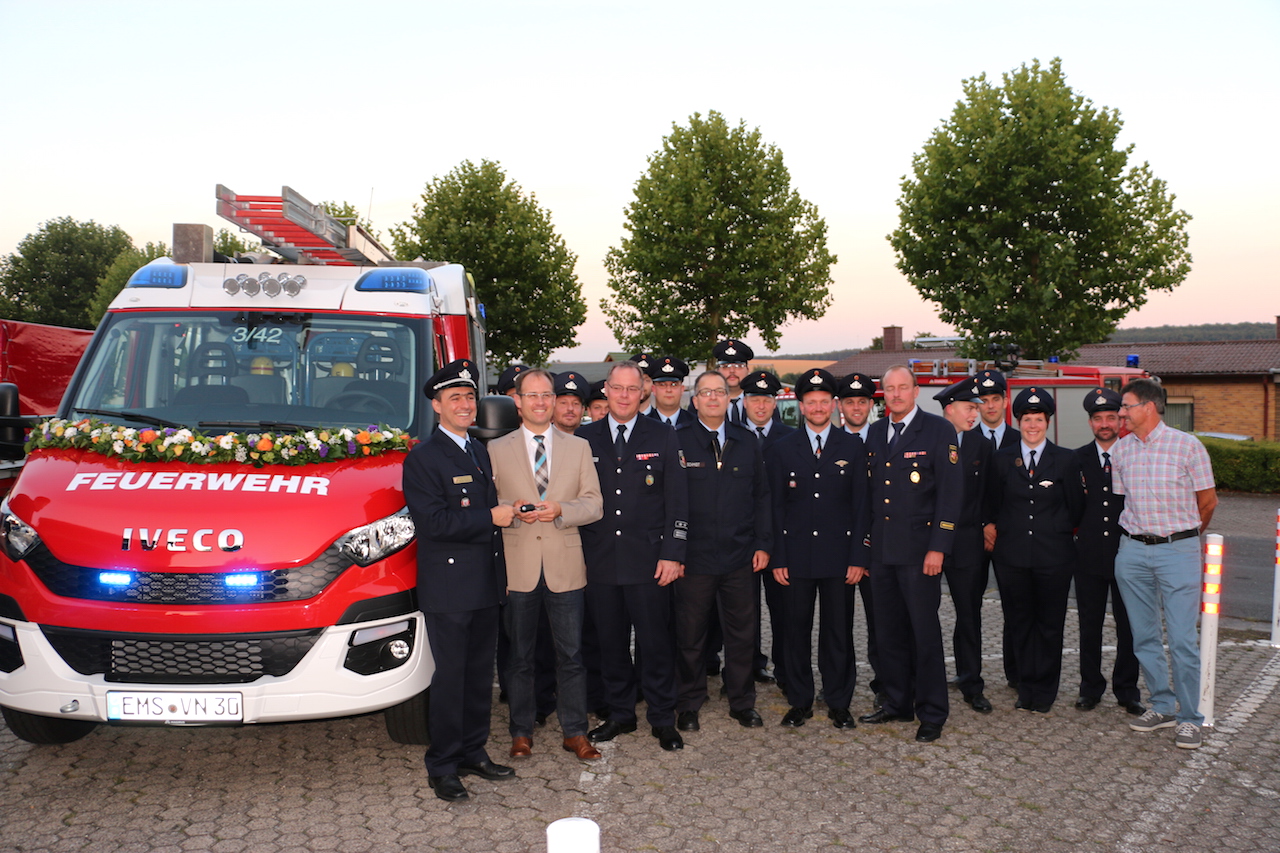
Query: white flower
{"points": [[242, 453], [117, 446], [227, 441]]}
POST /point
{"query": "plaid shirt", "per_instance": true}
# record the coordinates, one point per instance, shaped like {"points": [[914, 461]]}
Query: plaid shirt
{"points": [[1159, 478]]}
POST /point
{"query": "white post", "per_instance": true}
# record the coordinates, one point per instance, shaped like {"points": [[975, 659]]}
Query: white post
{"points": [[1210, 600], [1275, 592], [573, 835]]}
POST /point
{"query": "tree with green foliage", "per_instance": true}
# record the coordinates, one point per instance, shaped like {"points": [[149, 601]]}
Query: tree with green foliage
{"points": [[231, 244], [345, 211], [117, 276], [719, 244], [523, 271], [53, 276], [1022, 219]]}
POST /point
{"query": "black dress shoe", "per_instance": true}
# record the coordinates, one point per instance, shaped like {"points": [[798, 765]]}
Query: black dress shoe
{"points": [[487, 770], [877, 702], [883, 716], [687, 721], [713, 669], [795, 718], [748, 718], [668, 738], [1086, 703], [762, 676], [1042, 709], [448, 787], [539, 720], [1021, 706], [928, 732], [1135, 708], [841, 718], [608, 730], [979, 703]]}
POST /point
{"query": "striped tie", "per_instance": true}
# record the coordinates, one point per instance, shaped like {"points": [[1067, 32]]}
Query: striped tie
{"points": [[541, 474]]}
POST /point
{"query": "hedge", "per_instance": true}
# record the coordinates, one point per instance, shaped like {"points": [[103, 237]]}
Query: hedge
{"points": [[1244, 466]]}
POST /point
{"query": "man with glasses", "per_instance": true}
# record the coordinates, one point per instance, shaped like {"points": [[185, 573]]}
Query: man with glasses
{"points": [[634, 554], [1169, 498], [733, 362]]}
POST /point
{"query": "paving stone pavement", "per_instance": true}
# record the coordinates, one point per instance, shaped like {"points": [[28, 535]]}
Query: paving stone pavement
{"points": [[1011, 780]]}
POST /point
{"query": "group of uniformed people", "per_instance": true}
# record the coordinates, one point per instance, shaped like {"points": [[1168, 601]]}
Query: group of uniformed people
{"points": [[680, 510]]}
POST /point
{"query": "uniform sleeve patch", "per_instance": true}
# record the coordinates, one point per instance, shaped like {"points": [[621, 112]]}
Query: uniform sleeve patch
{"points": [[680, 534], [682, 525]]}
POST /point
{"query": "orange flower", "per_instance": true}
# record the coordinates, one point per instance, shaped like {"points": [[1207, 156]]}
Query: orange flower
{"points": [[264, 443], [363, 437], [147, 436], [366, 450], [177, 450]]}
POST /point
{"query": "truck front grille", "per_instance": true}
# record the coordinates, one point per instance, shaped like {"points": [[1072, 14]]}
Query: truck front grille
{"points": [[181, 658], [293, 584]]}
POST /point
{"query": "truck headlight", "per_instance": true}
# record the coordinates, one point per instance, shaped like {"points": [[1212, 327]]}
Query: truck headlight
{"points": [[19, 537], [377, 540]]}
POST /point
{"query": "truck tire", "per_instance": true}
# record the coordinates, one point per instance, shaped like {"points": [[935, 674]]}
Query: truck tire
{"points": [[34, 728], [407, 722]]}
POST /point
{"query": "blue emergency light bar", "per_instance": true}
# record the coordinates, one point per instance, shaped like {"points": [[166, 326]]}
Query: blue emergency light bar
{"points": [[115, 579], [395, 280], [161, 272]]}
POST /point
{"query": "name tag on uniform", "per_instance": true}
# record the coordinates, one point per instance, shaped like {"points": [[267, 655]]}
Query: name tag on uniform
{"points": [[464, 478], [912, 454], [645, 457]]}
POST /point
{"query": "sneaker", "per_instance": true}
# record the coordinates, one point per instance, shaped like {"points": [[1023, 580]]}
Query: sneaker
{"points": [[1187, 736], [1153, 720]]}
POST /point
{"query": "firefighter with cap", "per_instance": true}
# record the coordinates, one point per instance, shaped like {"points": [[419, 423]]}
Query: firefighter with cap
{"points": [[1097, 540], [817, 482], [507, 379], [597, 402], [667, 373], [733, 362], [965, 568], [992, 411], [571, 401], [449, 490], [1035, 498], [644, 361], [760, 402]]}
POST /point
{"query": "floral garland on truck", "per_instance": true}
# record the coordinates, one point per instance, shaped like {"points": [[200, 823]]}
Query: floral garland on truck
{"points": [[167, 444]]}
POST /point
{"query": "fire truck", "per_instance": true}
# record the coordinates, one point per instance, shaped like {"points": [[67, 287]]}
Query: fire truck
{"points": [[213, 531]]}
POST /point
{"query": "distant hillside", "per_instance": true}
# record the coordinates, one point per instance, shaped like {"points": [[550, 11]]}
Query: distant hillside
{"points": [[834, 355], [1206, 332]]}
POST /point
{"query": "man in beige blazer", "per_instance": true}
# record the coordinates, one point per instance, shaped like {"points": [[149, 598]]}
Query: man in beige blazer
{"points": [[550, 479]]}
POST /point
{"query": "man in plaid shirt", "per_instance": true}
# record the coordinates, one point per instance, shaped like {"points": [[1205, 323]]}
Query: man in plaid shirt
{"points": [[1168, 485]]}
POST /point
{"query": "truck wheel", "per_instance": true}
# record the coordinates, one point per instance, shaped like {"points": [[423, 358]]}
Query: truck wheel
{"points": [[407, 722], [34, 728]]}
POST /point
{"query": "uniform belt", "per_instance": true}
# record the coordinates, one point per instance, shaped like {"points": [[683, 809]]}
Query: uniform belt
{"points": [[1148, 539]]}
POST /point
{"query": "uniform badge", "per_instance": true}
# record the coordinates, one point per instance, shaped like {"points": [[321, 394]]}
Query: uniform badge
{"points": [[1017, 463], [648, 479], [953, 455], [466, 502], [1044, 484], [842, 462], [465, 478], [791, 484], [915, 476]]}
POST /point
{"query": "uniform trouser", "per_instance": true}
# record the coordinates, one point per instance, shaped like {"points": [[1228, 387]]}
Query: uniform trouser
{"points": [[731, 596], [1091, 604], [525, 612], [837, 661], [775, 599], [1008, 649], [909, 634], [463, 645], [967, 583], [1155, 578], [615, 609], [1034, 600], [873, 645]]}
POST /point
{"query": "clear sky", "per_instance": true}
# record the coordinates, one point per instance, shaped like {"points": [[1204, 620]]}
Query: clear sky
{"points": [[130, 113]]}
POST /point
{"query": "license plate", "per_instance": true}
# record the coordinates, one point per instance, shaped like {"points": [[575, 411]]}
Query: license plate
{"points": [[175, 707]]}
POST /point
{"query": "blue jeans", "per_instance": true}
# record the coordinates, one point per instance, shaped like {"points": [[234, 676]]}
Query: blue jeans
{"points": [[1165, 577], [564, 611]]}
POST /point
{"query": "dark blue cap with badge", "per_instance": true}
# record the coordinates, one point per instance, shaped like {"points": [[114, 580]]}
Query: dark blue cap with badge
{"points": [[733, 352], [761, 383], [642, 361], [815, 379], [992, 382], [667, 368], [462, 372], [966, 389], [596, 392], [570, 382], [1101, 400], [856, 385], [507, 380], [1033, 399]]}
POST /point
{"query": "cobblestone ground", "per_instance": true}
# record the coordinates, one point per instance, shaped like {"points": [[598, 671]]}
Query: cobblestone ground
{"points": [[1068, 781]]}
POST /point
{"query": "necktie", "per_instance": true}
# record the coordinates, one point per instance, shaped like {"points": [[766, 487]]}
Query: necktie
{"points": [[1031, 469], [669, 423], [715, 447], [993, 438], [760, 433], [817, 451], [541, 472], [735, 414], [620, 443], [475, 457], [897, 433], [1106, 464]]}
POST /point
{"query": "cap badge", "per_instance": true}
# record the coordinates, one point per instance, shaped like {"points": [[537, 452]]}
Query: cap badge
{"points": [[667, 368], [855, 384], [815, 379], [730, 351], [762, 384], [988, 383], [1100, 400], [1033, 399], [571, 385], [464, 375]]}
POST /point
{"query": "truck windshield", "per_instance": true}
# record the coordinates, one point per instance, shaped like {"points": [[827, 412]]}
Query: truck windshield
{"points": [[231, 370]]}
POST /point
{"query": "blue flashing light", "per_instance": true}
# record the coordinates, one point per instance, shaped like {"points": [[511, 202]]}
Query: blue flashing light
{"points": [[161, 272], [395, 280], [483, 316], [116, 579], [241, 580]]}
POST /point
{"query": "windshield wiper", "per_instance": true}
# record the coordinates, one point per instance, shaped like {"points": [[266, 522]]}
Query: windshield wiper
{"points": [[278, 426], [133, 416]]}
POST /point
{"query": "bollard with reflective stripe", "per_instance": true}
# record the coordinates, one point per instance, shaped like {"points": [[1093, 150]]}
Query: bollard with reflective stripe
{"points": [[1275, 592], [1210, 601], [573, 835]]}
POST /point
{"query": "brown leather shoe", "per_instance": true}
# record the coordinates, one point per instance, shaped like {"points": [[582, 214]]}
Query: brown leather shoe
{"points": [[521, 747], [581, 747]]}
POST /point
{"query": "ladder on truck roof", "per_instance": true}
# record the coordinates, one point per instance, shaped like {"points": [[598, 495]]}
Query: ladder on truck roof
{"points": [[300, 231]]}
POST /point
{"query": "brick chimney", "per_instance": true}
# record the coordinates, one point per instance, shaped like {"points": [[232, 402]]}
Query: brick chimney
{"points": [[1278, 325], [893, 336]]}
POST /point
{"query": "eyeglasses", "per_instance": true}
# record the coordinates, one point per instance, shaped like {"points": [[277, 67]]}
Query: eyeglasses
{"points": [[539, 396], [626, 389], [1127, 406], [707, 393]]}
